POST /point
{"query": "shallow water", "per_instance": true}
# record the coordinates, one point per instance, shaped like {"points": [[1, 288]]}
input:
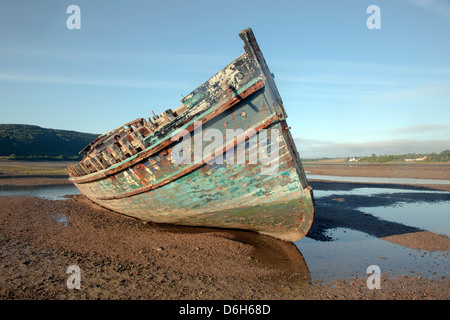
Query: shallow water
{"points": [[61, 219], [432, 213], [342, 242], [50, 192], [351, 252], [378, 180], [345, 238]]}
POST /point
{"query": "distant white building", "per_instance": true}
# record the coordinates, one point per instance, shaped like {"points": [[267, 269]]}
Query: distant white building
{"points": [[352, 159], [416, 159]]}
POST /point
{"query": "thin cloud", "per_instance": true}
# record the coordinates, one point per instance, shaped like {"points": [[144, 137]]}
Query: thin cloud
{"points": [[91, 55], [336, 79], [420, 129], [339, 67], [58, 79], [410, 94], [440, 7], [322, 149]]}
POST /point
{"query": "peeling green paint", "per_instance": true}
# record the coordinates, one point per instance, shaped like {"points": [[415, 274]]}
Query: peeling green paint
{"points": [[227, 195]]}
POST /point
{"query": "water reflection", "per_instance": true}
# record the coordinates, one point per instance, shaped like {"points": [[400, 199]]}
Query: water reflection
{"points": [[353, 251], [283, 258], [382, 211], [50, 192], [61, 219], [378, 180], [357, 225]]}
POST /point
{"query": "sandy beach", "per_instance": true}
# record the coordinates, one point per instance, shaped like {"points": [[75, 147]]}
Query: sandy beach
{"points": [[122, 258]]}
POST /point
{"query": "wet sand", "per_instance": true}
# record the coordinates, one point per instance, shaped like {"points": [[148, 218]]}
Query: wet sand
{"points": [[122, 258], [33, 180], [410, 171], [23, 173]]}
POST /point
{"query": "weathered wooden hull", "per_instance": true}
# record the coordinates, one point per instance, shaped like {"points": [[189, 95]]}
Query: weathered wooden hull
{"points": [[221, 187]]}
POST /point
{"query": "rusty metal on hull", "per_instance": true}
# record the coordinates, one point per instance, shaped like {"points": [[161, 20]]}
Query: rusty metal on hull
{"points": [[132, 169]]}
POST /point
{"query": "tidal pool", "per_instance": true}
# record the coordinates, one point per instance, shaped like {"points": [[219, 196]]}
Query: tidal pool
{"points": [[350, 224], [345, 238], [50, 192]]}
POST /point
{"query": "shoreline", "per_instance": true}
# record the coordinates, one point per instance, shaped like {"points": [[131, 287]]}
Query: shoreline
{"points": [[411, 171], [122, 258], [407, 171], [435, 171]]}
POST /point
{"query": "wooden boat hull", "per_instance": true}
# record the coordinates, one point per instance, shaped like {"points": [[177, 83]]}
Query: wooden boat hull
{"points": [[224, 185]]}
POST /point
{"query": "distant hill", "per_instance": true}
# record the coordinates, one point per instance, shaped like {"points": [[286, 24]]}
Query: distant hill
{"points": [[29, 142], [443, 156]]}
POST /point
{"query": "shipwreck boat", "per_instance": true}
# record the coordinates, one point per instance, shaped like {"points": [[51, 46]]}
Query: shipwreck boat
{"points": [[196, 165]]}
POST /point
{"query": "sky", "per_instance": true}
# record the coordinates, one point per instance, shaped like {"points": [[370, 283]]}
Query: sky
{"points": [[348, 90]]}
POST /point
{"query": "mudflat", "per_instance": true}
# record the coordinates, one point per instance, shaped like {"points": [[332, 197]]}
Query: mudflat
{"points": [[23, 173], [122, 258], [433, 171]]}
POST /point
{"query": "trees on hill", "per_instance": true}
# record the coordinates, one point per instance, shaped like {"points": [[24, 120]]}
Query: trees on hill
{"points": [[29, 142]]}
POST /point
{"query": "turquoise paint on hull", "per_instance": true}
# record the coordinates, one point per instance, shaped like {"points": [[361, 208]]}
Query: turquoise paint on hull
{"points": [[215, 189], [153, 188]]}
